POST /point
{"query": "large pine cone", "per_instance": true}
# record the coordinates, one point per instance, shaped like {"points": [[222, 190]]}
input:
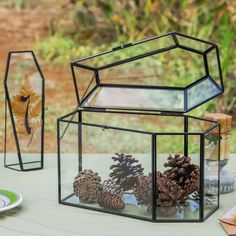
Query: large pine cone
{"points": [[86, 185], [187, 175], [143, 190], [111, 195], [110, 201], [169, 193], [125, 172]]}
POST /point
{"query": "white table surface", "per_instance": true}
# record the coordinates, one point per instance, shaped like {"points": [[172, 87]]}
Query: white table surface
{"points": [[40, 213]]}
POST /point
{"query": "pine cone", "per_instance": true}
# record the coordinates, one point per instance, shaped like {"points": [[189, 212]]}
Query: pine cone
{"points": [[125, 172], [192, 182], [86, 185], [110, 186], [111, 195], [143, 190], [187, 175], [110, 201], [169, 193]]}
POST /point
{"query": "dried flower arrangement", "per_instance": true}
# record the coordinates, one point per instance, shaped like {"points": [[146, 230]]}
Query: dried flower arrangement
{"points": [[26, 107]]}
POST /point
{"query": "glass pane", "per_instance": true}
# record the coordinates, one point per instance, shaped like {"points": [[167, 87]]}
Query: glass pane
{"points": [[178, 177], [121, 97], [199, 125], [213, 66], [100, 171], [11, 151], [24, 84], [133, 51], [175, 68], [69, 161], [85, 81], [201, 92], [192, 43], [211, 171], [146, 123]]}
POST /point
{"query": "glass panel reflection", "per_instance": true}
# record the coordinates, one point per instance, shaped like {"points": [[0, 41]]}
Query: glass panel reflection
{"points": [[117, 97], [173, 68], [192, 43], [213, 66], [133, 51], [211, 171], [202, 91]]}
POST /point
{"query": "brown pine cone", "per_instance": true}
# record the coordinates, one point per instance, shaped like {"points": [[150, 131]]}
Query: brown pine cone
{"points": [[110, 201], [126, 170], [192, 182], [110, 196], [187, 175], [143, 190], [179, 167], [169, 193], [86, 185], [110, 186]]}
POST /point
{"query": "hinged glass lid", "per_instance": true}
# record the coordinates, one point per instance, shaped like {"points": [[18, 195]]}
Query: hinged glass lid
{"points": [[166, 73]]}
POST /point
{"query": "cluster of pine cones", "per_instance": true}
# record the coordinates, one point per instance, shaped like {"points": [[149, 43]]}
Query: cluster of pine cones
{"points": [[173, 187], [88, 187], [125, 172]]}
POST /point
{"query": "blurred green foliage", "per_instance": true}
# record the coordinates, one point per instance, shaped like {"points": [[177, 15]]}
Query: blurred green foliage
{"points": [[61, 49], [20, 4]]}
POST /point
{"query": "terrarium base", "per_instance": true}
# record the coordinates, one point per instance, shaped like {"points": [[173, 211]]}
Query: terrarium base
{"points": [[189, 212], [27, 166]]}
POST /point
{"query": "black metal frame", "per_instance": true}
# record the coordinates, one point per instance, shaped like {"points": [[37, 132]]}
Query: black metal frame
{"points": [[174, 35], [154, 136], [22, 164]]}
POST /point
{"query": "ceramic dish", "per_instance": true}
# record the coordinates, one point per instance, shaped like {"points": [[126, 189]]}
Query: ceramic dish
{"points": [[9, 199]]}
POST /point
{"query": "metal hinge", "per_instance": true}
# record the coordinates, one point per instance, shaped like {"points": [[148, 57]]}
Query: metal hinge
{"points": [[93, 109], [172, 113]]}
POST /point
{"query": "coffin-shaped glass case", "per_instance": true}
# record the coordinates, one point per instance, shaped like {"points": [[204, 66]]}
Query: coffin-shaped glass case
{"points": [[24, 112]]}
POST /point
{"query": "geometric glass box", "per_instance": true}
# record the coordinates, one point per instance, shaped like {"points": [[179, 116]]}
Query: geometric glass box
{"points": [[129, 149]]}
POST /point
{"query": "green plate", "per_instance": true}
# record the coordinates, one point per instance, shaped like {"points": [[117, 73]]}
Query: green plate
{"points": [[9, 200]]}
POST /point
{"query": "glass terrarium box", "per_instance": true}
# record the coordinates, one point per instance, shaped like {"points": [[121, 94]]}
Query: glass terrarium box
{"points": [[129, 149]]}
